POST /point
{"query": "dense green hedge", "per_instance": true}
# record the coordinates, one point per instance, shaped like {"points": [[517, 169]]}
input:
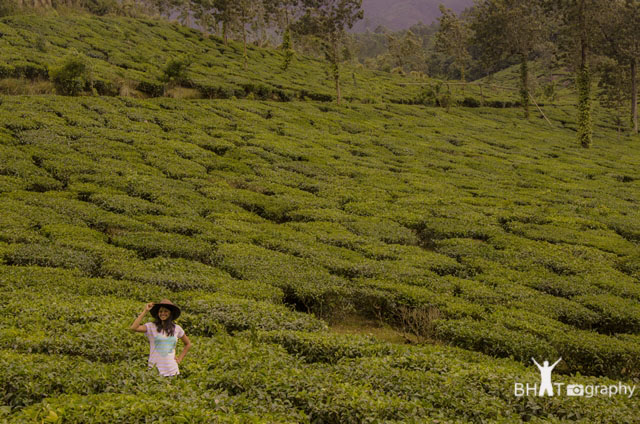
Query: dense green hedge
{"points": [[249, 215]]}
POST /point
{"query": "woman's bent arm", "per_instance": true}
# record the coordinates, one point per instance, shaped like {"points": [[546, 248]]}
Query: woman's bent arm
{"points": [[136, 324], [187, 346]]}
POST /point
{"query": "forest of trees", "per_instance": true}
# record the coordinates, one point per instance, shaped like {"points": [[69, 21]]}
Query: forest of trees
{"points": [[597, 40]]}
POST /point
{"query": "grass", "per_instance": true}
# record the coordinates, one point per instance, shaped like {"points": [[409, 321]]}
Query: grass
{"points": [[358, 324], [22, 86]]}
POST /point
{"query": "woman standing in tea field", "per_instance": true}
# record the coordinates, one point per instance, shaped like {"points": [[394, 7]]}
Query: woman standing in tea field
{"points": [[163, 335]]}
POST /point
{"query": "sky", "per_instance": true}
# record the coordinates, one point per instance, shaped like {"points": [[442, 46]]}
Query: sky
{"points": [[401, 14]]}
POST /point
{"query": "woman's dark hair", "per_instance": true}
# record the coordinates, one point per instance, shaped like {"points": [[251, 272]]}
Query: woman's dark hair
{"points": [[169, 326]]}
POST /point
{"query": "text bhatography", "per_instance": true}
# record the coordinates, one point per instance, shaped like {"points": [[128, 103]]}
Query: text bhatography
{"points": [[584, 390]]}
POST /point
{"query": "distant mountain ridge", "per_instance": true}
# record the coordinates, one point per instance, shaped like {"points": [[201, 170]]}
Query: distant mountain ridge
{"points": [[400, 14]]}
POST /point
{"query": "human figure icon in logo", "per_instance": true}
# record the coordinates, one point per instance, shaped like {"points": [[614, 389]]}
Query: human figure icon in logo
{"points": [[545, 376]]}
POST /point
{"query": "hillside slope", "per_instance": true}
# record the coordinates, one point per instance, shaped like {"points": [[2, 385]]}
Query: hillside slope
{"points": [[132, 54], [495, 238], [525, 244]]}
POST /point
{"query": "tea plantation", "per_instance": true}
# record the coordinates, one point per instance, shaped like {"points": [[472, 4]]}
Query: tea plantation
{"points": [[131, 56], [496, 239]]}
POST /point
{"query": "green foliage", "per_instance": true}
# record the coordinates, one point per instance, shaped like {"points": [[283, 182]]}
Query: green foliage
{"points": [[434, 95], [452, 39], [524, 87], [617, 315], [236, 314], [51, 255], [175, 72], [287, 49], [72, 77], [250, 214], [322, 347], [152, 244], [585, 126], [101, 7]]}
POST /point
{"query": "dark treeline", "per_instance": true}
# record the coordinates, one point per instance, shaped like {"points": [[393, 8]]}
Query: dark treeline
{"points": [[597, 40]]}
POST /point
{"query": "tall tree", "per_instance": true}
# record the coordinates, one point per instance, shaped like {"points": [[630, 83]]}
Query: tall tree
{"points": [[162, 7], [581, 33], [328, 20], [621, 32], [223, 14], [452, 38], [613, 83], [243, 13], [203, 12], [184, 9], [283, 13], [505, 28], [406, 51]]}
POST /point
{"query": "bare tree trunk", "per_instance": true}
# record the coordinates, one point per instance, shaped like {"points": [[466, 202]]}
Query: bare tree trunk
{"points": [[288, 25], [336, 69], [244, 41], [634, 94], [337, 77], [524, 86]]}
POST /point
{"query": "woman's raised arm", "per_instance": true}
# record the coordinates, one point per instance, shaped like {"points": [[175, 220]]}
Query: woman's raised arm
{"points": [[136, 327]]}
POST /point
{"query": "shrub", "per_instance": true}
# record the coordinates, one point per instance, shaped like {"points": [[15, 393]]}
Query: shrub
{"points": [[428, 96], [127, 205], [151, 88], [204, 314], [150, 244], [52, 256], [72, 77], [591, 353], [29, 70], [384, 230], [494, 339], [101, 7], [322, 347], [617, 315], [564, 310], [470, 102], [128, 408], [306, 285], [421, 321], [94, 341], [106, 88], [175, 72], [56, 374]]}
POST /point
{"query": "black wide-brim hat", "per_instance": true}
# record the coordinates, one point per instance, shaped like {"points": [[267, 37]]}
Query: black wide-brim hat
{"points": [[175, 311]]}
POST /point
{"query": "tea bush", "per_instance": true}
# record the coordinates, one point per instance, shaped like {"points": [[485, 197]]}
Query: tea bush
{"points": [[617, 315], [72, 77], [250, 215], [150, 244], [323, 347]]}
